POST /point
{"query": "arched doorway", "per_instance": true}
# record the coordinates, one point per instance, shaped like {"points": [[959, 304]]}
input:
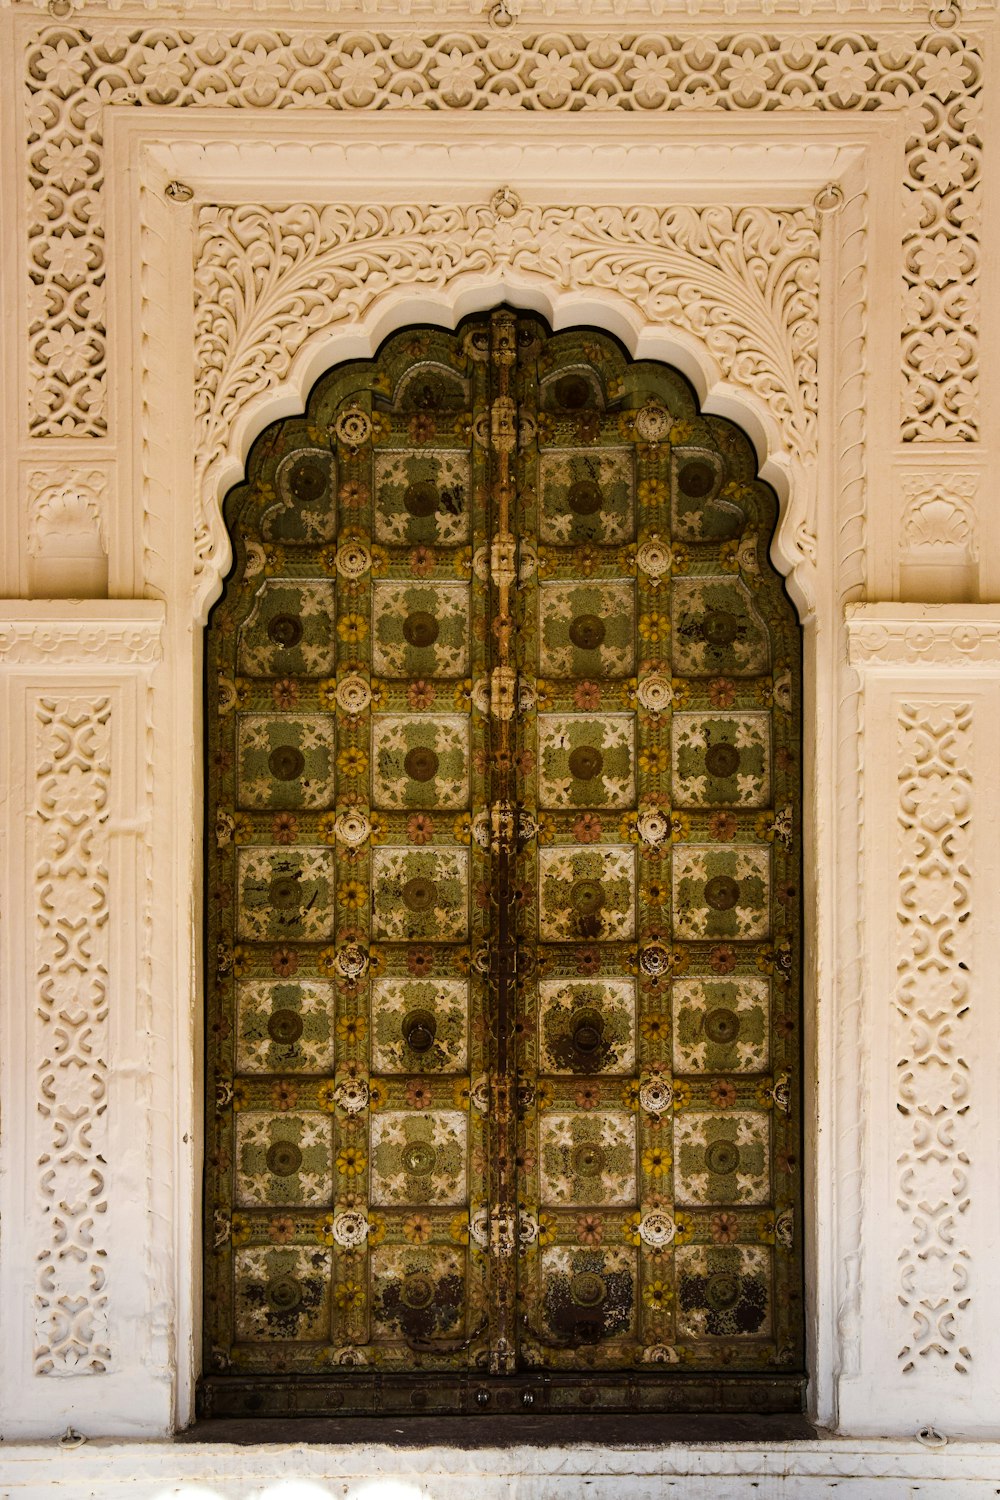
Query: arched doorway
{"points": [[504, 859]]}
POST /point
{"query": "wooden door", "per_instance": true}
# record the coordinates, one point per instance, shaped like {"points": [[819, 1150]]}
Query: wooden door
{"points": [[503, 909]]}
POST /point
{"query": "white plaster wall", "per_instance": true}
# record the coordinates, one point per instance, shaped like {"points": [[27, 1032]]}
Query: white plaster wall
{"points": [[248, 246]]}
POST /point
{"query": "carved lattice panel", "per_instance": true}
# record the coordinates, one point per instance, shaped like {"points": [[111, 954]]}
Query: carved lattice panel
{"points": [[503, 1033]]}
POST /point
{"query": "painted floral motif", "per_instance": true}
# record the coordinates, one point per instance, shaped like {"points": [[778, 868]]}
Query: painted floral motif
{"points": [[289, 632], [419, 1157], [284, 1026], [722, 1158], [721, 760], [283, 1158], [721, 892], [420, 630], [586, 893], [304, 512], [586, 760], [588, 495], [422, 496], [700, 509], [283, 1293], [723, 1293], [420, 894], [420, 760], [721, 1025], [420, 1025], [586, 1026], [588, 1294], [285, 893], [285, 760], [418, 1294], [586, 629], [587, 1158], [716, 630]]}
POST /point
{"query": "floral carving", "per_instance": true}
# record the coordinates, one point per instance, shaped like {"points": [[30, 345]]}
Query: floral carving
{"points": [[71, 892], [931, 1001], [72, 75]]}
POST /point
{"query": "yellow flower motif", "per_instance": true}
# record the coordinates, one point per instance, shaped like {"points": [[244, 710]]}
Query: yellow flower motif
{"points": [[681, 432], [681, 692], [654, 760], [244, 692], [349, 1294], [765, 960], [546, 1229], [380, 559], [543, 694], [683, 1229], [653, 492], [459, 1229], [241, 1229], [626, 426], [655, 1028], [324, 1230], [682, 1095], [242, 828], [326, 961], [381, 384], [763, 690], [729, 557], [627, 829], [630, 1094], [461, 960], [626, 692], [376, 962], [765, 1095], [351, 1028], [626, 558], [463, 562], [352, 894], [241, 1096], [326, 1097], [462, 425], [680, 827], [547, 562], [376, 1094], [654, 627], [328, 828], [328, 560], [680, 558], [658, 1295], [241, 960], [460, 1093], [763, 827], [630, 1229], [376, 1230], [352, 762], [351, 1161], [376, 828], [546, 828], [327, 692], [352, 628], [656, 1161], [463, 693], [462, 828], [274, 560], [543, 1094], [381, 427], [765, 1229]]}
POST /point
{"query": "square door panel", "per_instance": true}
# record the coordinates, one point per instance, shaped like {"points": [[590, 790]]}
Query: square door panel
{"points": [[284, 1026], [723, 1292], [586, 760], [586, 629], [419, 1157], [420, 894], [588, 495], [420, 1025], [285, 761], [418, 1292], [586, 1026], [420, 629], [290, 630], [586, 1158], [588, 1294], [283, 1292], [586, 894], [285, 893], [722, 1156], [420, 761], [422, 496], [284, 1158], [721, 759], [721, 1025], [721, 891], [715, 629]]}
